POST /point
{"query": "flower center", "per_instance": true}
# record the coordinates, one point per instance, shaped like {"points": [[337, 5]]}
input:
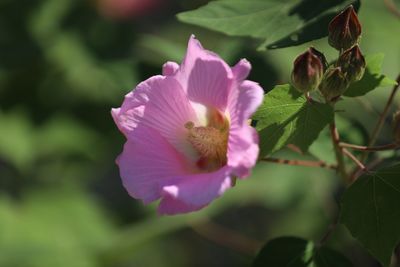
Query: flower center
{"points": [[210, 142]]}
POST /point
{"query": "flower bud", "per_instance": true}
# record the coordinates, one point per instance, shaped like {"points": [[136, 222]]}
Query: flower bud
{"points": [[344, 29], [308, 69], [352, 63], [321, 57], [333, 84], [396, 127]]}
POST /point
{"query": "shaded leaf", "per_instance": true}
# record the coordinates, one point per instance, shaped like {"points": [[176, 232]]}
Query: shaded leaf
{"points": [[373, 78], [286, 117], [285, 251], [326, 257], [370, 210], [17, 145], [297, 252], [281, 23]]}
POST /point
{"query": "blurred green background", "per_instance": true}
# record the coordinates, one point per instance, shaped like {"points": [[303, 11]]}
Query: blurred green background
{"points": [[65, 63]]}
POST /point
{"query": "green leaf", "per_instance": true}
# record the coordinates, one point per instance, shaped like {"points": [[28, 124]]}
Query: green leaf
{"points": [[370, 210], [285, 251], [17, 139], [326, 257], [286, 117], [297, 252], [281, 23], [372, 78]]}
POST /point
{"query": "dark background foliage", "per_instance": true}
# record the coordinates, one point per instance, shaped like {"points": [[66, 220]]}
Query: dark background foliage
{"points": [[65, 63]]}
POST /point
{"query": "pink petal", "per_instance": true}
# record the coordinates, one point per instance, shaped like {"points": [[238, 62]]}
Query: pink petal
{"points": [[194, 192], [161, 104], [243, 140], [205, 77], [244, 101], [242, 150], [241, 70], [147, 163], [170, 68]]}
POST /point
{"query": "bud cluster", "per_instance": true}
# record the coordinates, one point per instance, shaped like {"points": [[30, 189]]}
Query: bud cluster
{"points": [[311, 71]]}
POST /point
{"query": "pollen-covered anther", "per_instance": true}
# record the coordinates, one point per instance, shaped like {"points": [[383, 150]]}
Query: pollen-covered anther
{"points": [[210, 143]]}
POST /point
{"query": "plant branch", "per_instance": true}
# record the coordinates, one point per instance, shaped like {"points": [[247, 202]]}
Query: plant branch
{"points": [[306, 163], [358, 171], [396, 255], [379, 125], [329, 231], [338, 151], [391, 6], [295, 149], [355, 159], [372, 148]]}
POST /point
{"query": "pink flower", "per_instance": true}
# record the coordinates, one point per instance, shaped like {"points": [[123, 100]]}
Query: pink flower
{"points": [[187, 131]]}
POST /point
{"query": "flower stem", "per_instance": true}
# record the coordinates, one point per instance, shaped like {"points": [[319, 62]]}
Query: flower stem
{"points": [[309, 98], [372, 148], [341, 168], [306, 163]]}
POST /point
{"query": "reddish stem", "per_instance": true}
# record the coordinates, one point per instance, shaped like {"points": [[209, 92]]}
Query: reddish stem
{"points": [[338, 151], [373, 148], [306, 163], [354, 158], [379, 125], [391, 6]]}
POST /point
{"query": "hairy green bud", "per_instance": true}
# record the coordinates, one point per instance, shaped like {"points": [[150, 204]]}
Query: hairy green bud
{"points": [[333, 84], [352, 63]]}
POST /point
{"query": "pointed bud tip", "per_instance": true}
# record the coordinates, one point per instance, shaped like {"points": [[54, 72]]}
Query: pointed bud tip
{"points": [[320, 55], [344, 29]]}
